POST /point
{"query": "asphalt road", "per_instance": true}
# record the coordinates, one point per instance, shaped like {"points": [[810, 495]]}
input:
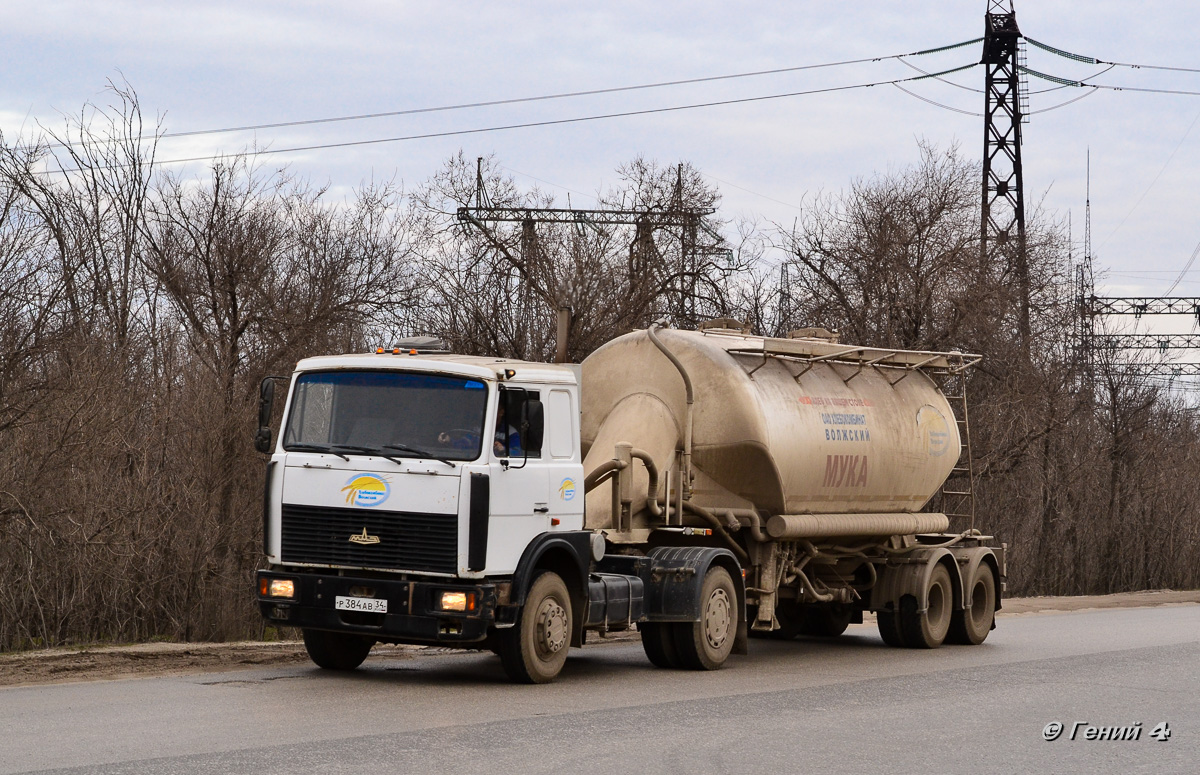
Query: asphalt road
{"points": [[850, 705]]}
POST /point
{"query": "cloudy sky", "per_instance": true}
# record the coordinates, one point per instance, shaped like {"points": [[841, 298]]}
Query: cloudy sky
{"points": [[205, 65]]}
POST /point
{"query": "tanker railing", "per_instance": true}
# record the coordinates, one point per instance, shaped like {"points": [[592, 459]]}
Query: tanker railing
{"points": [[862, 356]]}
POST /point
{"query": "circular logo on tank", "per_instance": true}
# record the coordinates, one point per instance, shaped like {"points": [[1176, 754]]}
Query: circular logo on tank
{"points": [[934, 430]]}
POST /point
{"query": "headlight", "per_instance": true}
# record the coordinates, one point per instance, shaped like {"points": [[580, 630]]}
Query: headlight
{"points": [[268, 587], [457, 601]]}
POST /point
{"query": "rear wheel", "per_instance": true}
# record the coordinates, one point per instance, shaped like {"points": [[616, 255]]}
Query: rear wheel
{"points": [[336, 650], [826, 621], [535, 649], [972, 625], [707, 643], [928, 629], [658, 641], [791, 619], [889, 628]]}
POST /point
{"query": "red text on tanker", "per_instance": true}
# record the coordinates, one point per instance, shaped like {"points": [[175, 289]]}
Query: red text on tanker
{"points": [[845, 471]]}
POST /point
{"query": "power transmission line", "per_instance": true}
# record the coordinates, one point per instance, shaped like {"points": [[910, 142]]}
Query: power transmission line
{"points": [[1110, 87], [1095, 61], [555, 122], [558, 96]]}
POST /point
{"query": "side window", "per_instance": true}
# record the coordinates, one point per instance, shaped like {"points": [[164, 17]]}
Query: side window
{"points": [[312, 410], [519, 413], [560, 426]]}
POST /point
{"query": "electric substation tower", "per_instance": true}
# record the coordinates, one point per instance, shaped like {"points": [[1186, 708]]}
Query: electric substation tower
{"points": [[697, 243]]}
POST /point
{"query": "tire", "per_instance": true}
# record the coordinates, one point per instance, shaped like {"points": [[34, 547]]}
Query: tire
{"points": [[707, 643], [792, 619], [928, 630], [535, 649], [658, 641], [889, 628], [336, 650], [826, 621], [971, 626]]}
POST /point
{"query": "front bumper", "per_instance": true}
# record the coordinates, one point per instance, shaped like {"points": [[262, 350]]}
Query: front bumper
{"points": [[412, 612]]}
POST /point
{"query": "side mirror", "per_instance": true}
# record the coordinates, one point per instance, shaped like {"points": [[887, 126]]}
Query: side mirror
{"points": [[266, 402]]}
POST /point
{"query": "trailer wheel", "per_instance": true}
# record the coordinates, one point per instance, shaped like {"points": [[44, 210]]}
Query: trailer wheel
{"points": [[791, 622], [535, 649], [826, 621], [971, 626], [658, 641], [927, 630], [336, 650], [707, 643], [889, 628]]}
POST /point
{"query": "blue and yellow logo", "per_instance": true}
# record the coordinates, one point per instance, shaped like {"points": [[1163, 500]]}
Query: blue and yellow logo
{"points": [[566, 490], [366, 490], [936, 431]]}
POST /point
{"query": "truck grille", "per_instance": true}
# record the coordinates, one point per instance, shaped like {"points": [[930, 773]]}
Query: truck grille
{"points": [[407, 541]]}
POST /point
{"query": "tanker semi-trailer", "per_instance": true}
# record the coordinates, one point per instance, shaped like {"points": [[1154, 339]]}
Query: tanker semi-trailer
{"points": [[702, 486]]}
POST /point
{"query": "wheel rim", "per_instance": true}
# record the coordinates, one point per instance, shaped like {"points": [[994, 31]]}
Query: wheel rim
{"points": [[551, 627], [981, 605], [717, 618], [938, 611], [937, 603]]}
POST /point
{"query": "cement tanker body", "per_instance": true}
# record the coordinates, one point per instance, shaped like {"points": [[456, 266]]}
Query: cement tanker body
{"points": [[812, 460], [701, 486], [769, 432]]}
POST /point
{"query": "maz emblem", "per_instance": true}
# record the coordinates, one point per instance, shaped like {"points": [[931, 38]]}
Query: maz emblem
{"points": [[363, 538]]}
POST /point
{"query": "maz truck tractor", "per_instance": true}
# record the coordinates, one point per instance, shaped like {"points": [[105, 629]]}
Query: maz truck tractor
{"points": [[702, 486]]}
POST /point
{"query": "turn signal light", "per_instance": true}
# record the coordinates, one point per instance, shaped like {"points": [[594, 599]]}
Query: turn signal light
{"points": [[276, 587], [458, 601]]}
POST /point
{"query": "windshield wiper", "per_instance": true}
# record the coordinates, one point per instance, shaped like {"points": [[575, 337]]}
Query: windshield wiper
{"points": [[369, 451], [418, 452], [399, 447], [307, 447]]}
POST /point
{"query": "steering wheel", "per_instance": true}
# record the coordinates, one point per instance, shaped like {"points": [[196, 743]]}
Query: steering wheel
{"points": [[459, 437]]}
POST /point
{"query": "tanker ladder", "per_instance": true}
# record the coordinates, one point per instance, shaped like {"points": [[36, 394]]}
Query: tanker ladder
{"points": [[958, 491]]}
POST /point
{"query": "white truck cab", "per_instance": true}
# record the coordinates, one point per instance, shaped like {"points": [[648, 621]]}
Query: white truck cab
{"points": [[404, 493]]}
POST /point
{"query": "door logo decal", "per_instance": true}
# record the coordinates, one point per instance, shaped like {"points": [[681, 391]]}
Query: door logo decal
{"points": [[566, 490], [366, 490]]}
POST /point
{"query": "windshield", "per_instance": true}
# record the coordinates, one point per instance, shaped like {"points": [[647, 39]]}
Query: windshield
{"points": [[399, 414]]}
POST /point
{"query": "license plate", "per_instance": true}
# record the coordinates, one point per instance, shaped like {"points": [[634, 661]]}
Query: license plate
{"points": [[368, 605]]}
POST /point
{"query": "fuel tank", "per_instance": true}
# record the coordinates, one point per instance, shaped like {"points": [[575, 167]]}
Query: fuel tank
{"points": [[784, 426]]}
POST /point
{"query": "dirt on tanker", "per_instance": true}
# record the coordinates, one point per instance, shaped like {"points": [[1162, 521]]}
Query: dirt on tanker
{"points": [[91, 663]]}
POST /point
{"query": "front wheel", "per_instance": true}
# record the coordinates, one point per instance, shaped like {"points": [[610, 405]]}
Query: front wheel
{"points": [[706, 644], [336, 650], [535, 649]]}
